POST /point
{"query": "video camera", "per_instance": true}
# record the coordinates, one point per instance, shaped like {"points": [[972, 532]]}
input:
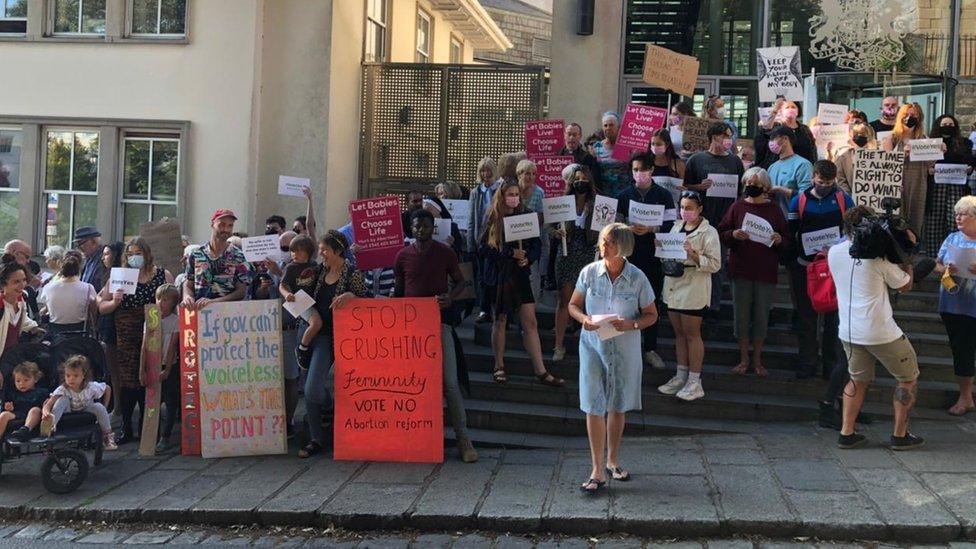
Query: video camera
{"points": [[885, 235]]}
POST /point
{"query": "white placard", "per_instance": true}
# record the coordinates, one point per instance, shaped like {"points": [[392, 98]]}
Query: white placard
{"points": [[125, 279], [962, 258], [442, 230], [260, 248], [303, 302], [815, 241], [292, 186], [559, 209], [672, 246], [671, 215], [881, 136], [780, 73], [951, 174], [764, 113], [925, 149], [605, 328], [672, 184], [648, 215], [521, 227], [831, 113], [759, 229], [838, 135], [604, 212], [723, 185], [460, 211]]}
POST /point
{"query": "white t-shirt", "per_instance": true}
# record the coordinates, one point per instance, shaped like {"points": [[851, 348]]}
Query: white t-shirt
{"points": [[67, 302], [862, 286], [79, 400]]}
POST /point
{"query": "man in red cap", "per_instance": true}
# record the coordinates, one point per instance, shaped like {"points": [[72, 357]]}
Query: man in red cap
{"points": [[217, 271]]}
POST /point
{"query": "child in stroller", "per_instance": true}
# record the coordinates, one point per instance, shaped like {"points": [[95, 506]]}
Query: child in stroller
{"points": [[78, 393], [23, 401]]}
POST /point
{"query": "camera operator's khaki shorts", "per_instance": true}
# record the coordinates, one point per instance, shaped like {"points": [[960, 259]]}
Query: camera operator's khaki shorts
{"points": [[898, 357]]}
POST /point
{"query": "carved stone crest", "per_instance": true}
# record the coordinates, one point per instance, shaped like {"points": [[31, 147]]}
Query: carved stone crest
{"points": [[862, 35]]}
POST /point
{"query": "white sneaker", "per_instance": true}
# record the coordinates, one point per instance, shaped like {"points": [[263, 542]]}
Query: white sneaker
{"points": [[108, 442], [691, 391], [558, 354], [673, 386], [654, 360]]}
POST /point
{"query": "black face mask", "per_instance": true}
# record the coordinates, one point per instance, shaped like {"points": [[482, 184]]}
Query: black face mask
{"points": [[752, 191], [860, 140], [946, 131], [581, 187], [910, 121], [823, 192], [270, 231]]}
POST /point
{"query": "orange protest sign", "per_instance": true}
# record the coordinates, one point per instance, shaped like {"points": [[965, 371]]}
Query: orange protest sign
{"points": [[389, 381], [670, 70]]}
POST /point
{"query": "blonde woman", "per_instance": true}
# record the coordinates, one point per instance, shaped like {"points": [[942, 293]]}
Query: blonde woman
{"points": [[910, 125], [480, 203]]}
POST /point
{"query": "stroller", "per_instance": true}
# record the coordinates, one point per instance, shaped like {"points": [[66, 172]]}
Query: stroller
{"points": [[66, 466]]}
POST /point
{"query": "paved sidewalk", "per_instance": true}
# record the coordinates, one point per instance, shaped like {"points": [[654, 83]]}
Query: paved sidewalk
{"points": [[781, 485]]}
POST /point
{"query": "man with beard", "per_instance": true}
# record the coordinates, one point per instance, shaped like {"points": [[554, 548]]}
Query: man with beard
{"points": [[217, 271]]}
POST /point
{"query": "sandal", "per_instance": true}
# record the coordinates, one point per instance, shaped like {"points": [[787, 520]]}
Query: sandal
{"points": [[546, 378], [741, 369], [958, 411], [761, 371], [592, 487], [499, 376], [618, 474], [310, 450]]}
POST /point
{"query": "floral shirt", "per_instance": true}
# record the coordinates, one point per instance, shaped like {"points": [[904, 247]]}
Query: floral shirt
{"points": [[214, 277], [616, 174]]}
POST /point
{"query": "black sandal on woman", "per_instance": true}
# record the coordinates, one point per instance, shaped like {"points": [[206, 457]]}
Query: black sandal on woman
{"points": [[618, 474], [310, 450], [499, 376], [546, 378], [592, 487]]}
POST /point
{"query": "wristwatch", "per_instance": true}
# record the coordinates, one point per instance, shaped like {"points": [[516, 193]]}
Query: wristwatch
{"points": [[636, 325]]}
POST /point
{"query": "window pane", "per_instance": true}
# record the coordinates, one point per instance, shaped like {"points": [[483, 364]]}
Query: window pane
{"points": [[10, 142], [967, 38], [58, 219], [93, 16], [966, 108], [85, 176], [173, 17], [58, 172], [144, 16], [86, 211], [166, 158], [160, 211], [9, 215], [66, 15], [724, 38], [371, 45], [133, 215], [16, 8], [135, 183]]}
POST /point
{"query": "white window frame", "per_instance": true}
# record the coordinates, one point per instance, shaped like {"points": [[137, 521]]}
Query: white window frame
{"points": [[136, 135], [52, 6], [456, 44], [420, 55], [382, 26], [130, 21], [70, 192]]}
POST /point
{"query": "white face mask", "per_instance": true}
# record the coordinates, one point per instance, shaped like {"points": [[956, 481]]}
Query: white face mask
{"points": [[720, 113]]}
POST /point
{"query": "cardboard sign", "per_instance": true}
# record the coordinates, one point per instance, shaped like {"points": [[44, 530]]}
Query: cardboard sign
{"points": [[559, 209], [389, 381], [460, 211], [442, 230], [261, 248], [636, 128], [814, 241], [604, 212], [152, 362], [549, 174], [951, 174], [723, 186], [544, 137], [240, 382], [521, 227], [831, 113], [877, 175], [758, 229], [779, 73], [925, 149], [293, 186], [695, 133], [670, 70], [648, 215], [189, 384], [672, 246], [377, 230], [837, 136], [123, 278], [672, 184], [165, 239]]}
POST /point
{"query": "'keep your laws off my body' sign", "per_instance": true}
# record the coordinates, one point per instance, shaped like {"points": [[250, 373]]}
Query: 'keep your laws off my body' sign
{"points": [[877, 175]]}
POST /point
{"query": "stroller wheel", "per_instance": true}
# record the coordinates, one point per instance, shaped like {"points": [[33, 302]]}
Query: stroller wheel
{"points": [[64, 471]]}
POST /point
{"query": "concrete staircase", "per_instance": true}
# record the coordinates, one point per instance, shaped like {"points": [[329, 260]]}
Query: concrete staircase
{"points": [[524, 410]]}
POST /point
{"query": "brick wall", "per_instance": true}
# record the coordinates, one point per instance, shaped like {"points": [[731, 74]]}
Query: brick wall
{"points": [[522, 30]]}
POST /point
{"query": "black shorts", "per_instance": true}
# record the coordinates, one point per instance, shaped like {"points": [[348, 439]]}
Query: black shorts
{"points": [[700, 313]]}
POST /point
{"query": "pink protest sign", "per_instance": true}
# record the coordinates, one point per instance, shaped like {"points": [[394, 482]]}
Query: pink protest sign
{"points": [[377, 230], [549, 174], [640, 121], [544, 137]]}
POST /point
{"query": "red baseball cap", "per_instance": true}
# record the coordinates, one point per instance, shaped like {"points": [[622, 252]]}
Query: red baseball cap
{"points": [[222, 212]]}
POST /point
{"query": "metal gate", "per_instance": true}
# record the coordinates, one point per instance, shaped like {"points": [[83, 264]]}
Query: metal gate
{"points": [[423, 124]]}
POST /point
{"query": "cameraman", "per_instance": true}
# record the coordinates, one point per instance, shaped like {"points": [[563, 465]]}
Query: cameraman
{"points": [[868, 331]]}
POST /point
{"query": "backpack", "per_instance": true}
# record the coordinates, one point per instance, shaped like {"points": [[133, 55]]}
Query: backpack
{"points": [[839, 196], [820, 285]]}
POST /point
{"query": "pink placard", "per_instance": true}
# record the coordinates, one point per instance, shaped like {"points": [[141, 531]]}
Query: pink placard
{"points": [[544, 137], [549, 174], [377, 230], [640, 121]]}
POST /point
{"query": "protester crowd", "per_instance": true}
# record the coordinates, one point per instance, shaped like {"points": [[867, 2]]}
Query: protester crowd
{"points": [[610, 284]]}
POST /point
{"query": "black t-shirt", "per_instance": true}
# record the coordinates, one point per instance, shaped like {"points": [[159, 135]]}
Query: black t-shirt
{"points": [[880, 126], [34, 398], [300, 276], [324, 294]]}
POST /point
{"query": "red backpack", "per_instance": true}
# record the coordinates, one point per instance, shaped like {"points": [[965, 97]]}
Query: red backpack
{"points": [[820, 285]]}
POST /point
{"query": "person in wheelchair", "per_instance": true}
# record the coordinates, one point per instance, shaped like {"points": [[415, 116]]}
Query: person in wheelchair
{"points": [[23, 401], [78, 393]]}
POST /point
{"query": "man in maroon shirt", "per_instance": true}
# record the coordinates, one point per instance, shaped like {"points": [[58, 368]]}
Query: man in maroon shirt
{"points": [[422, 270]]}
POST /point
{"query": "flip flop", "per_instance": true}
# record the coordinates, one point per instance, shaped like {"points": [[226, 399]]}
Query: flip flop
{"points": [[957, 414], [618, 474], [597, 485], [741, 369]]}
